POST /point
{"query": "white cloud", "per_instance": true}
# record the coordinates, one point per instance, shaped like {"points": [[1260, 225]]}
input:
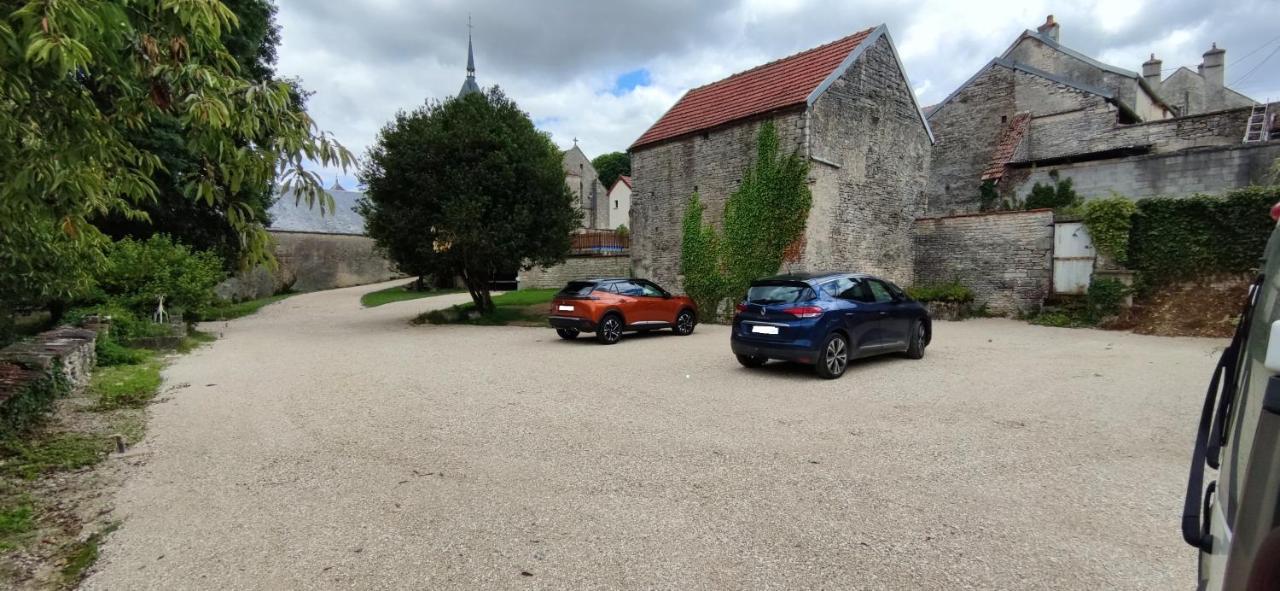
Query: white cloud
{"points": [[559, 58]]}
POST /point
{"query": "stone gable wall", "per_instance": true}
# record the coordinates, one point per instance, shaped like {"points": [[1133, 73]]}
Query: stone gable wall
{"points": [[967, 129], [1006, 258], [584, 182], [664, 175], [863, 210]]}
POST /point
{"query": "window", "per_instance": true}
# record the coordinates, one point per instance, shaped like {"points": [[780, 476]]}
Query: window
{"points": [[779, 293], [615, 204], [650, 290], [837, 288], [859, 293], [629, 288], [577, 289], [880, 292], [895, 291]]}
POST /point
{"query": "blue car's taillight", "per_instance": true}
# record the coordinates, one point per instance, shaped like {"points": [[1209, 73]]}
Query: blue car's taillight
{"points": [[803, 311]]}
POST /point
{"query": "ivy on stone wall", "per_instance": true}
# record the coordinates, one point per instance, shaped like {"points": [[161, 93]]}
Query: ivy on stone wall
{"points": [[1109, 221], [1179, 239], [764, 216]]}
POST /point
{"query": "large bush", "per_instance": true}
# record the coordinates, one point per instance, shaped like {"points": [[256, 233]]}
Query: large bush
{"points": [[138, 272], [1178, 239], [1109, 222]]}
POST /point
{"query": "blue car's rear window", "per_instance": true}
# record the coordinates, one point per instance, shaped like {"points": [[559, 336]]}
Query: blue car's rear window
{"points": [[779, 293]]}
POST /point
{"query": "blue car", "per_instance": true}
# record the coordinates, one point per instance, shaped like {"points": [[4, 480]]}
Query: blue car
{"points": [[826, 320]]}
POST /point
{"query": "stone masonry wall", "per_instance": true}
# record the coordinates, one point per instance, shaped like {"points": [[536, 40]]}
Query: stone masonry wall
{"points": [[1006, 258], [1055, 138], [576, 267], [966, 129], [1178, 174], [66, 350], [312, 262], [664, 175], [870, 161]]}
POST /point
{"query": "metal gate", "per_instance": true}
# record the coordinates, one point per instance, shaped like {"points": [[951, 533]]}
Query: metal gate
{"points": [[1073, 256]]}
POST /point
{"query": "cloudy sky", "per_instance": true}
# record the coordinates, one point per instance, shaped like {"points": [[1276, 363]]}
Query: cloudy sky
{"points": [[603, 71]]}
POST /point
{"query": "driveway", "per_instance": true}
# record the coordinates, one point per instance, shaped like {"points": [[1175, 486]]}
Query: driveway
{"points": [[320, 445]]}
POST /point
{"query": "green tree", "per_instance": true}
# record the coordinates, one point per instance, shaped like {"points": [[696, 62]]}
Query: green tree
{"points": [[253, 45], [467, 187], [77, 77], [762, 218], [611, 166]]}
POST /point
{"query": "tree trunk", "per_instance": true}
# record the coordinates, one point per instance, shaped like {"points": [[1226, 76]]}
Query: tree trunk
{"points": [[420, 284], [478, 287]]}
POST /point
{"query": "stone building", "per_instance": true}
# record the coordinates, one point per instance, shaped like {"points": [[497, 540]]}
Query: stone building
{"points": [[582, 179], [620, 203], [1202, 91], [846, 106], [1042, 107]]}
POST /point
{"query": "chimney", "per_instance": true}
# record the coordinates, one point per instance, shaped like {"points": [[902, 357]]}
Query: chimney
{"points": [[1213, 69], [1151, 71], [1049, 28]]}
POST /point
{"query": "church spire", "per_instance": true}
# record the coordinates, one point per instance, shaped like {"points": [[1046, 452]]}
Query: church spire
{"points": [[469, 85]]}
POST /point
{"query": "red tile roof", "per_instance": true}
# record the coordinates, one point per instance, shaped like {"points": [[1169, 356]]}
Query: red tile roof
{"points": [[776, 85], [1006, 146], [626, 179]]}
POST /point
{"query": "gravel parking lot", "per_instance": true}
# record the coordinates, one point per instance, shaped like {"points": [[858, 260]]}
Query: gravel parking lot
{"points": [[322, 445]]}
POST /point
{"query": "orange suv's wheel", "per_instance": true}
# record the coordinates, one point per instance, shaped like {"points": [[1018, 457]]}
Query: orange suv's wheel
{"points": [[610, 329], [684, 323]]}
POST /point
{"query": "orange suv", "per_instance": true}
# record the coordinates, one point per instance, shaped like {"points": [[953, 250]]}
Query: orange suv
{"points": [[608, 307]]}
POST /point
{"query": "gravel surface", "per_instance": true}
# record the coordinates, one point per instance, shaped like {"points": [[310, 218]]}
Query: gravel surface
{"points": [[321, 445]]}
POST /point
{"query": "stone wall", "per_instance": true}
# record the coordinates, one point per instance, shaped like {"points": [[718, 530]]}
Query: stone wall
{"points": [[584, 183], [664, 175], [1006, 258], [65, 351], [576, 267], [870, 161], [967, 128], [1179, 174], [1057, 138], [312, 262]]}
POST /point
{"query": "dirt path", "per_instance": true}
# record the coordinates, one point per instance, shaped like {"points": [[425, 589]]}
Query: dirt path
{"points": [[320, 445]]}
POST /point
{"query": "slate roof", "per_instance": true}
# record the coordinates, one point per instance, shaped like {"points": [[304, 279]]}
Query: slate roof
{"points": [[776, 85], [1007, 145], [298, 217]]}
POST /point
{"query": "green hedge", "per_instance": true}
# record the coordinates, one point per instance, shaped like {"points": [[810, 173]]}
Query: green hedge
{"points": [[1178, 239]]}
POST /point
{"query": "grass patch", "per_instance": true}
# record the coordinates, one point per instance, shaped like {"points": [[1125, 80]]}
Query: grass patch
{"points": [[17, 521], [240, 310], [84, 555], [526, 306], [399, 293], [67, 451], [194, 339], [125, 386], [525, 297], [110, 353]]}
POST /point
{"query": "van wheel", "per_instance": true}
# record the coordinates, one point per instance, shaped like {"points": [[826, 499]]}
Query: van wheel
{"points": [[568, 334], [684, 323], [915, 350], [753, 362], [610, 329], [833, 357]]}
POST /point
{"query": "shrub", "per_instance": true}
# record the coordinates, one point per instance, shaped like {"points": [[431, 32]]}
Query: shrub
{"points": [[1178, 239], [1104, 299], [1109, 222], [110, 353], [138, 272], [943, 292], [1058, 195]]}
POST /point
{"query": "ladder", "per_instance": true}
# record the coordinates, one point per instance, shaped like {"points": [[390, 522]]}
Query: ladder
{"points": [[1257, 130]]}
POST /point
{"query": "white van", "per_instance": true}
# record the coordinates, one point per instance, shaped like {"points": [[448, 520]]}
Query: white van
{"points": [[1234, 520]]}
